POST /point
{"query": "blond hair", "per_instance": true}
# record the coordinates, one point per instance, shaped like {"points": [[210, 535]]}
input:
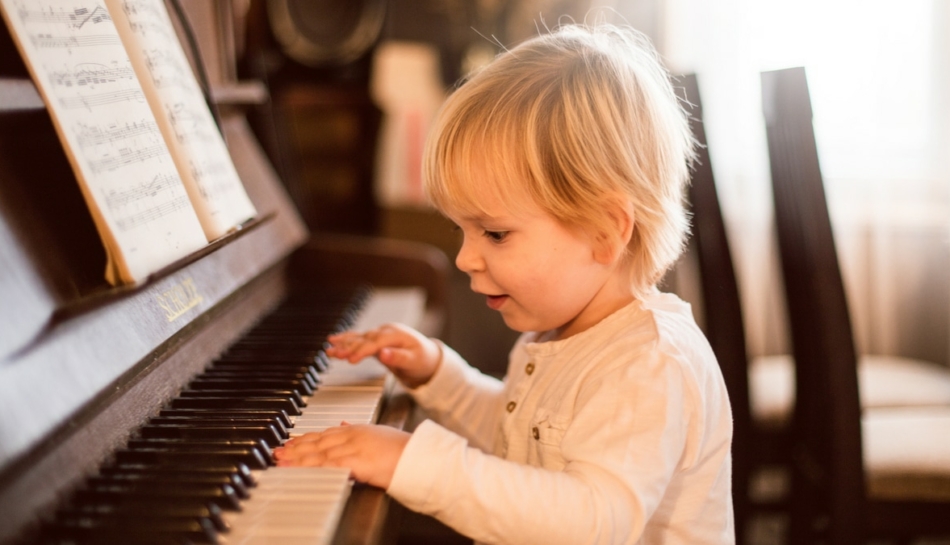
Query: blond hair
{"points": [[581, 120]]}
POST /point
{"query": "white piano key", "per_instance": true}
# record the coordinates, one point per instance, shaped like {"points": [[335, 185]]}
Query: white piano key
{"points": [[404, 305], [334, 412], [331, 422], [254, 540], [346, 398], [294, 505], [302, 506]]}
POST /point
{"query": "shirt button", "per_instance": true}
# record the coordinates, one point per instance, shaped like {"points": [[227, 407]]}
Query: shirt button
{"points": [[535, 433], [511, 406], [529, 368]]}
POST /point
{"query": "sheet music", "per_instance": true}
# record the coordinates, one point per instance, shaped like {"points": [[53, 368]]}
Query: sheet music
{"points": [[199, 150], [127, 175]]}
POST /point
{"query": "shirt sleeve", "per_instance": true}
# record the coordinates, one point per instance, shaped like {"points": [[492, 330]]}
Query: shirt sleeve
{"points": [[627, 438], [462, 399]]}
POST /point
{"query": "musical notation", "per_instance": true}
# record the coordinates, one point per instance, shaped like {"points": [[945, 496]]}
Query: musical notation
{"points": [[214, 183], [189, 125], [66, 27], [116, 198], [209, 170], [153, 213], [166, 70], [93, 90], [96, 135], [142, 204], [91, 75], [126, 157], [145, 18], [74, 17], [90, 102], [215, 189], [189, 128], [142, 10], [50, 41]]}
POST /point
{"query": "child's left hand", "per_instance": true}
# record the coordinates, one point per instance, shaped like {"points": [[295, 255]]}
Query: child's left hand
{"points": [[370, 452]]}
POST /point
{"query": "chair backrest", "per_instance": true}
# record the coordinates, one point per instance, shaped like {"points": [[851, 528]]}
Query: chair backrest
{"points": [[721, 303], [828, 477]]}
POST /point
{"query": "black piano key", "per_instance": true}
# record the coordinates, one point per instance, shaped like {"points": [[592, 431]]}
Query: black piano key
{"points": [[284, 404], [322, 361], [279, 416], [207, 478], [156, 509], [246, 393], [140, 503], [192, 449], [253, 449], [135, 520], [251, 381], [308, 379], [237, 421], [273, 357], [265, 432], [143, 531], [289, 334], [125, 484], [250, 457], [249, 368], [223, 497], [198, 465]]}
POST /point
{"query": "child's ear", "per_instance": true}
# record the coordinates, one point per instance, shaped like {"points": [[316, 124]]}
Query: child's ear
{"points": [[610, 246]]}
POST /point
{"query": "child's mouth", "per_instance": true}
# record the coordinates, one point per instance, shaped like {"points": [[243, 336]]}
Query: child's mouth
{"points": [[496, 301]]}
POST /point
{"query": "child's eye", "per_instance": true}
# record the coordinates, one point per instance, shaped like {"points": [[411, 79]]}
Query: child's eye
{"points": [[496, 236]]}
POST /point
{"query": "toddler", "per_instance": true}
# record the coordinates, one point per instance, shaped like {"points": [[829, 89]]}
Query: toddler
{"points": [[563, 163]]}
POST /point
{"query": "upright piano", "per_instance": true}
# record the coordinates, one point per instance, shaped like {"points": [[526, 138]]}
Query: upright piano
{"points": [[115, 400]]}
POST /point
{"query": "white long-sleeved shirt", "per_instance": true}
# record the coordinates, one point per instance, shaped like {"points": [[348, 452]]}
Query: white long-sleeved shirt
{"points": [[618, 434]]}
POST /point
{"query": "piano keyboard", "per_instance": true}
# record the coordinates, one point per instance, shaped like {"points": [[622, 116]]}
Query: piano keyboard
{"points": [[201, 471]]}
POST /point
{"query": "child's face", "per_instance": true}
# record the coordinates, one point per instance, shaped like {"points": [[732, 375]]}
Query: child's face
{"points": [[539, 274]]}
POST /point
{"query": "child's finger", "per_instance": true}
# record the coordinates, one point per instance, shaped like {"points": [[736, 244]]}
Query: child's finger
{"points": [[353, 351], [344, 335], [397, 358], [375, 346]]}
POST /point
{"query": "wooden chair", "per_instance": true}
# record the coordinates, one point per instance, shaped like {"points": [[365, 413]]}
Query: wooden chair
{"points": [[721, 304], [859, 469]]}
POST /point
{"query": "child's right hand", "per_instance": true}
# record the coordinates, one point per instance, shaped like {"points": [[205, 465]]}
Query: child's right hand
{"points": [[411, 356]]}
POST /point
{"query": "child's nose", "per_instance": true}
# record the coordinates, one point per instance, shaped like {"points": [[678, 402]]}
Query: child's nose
{"points": [[468, 260]]}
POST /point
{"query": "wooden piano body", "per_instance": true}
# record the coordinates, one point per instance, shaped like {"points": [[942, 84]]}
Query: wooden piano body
{"points": [[82, 364]]}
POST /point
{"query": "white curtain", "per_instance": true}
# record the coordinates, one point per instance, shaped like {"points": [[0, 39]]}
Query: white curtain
{"points": [[879, 76]]}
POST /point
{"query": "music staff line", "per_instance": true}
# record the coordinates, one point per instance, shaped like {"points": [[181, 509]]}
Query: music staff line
{"points": [[89, 136], [75, 19], [153, 213], [189, 126], [133, 8], [101, 99], [217, 190], [213, 180], [49, 41], [127, 156], [118, 198], [165, 70], [90, 75]]}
